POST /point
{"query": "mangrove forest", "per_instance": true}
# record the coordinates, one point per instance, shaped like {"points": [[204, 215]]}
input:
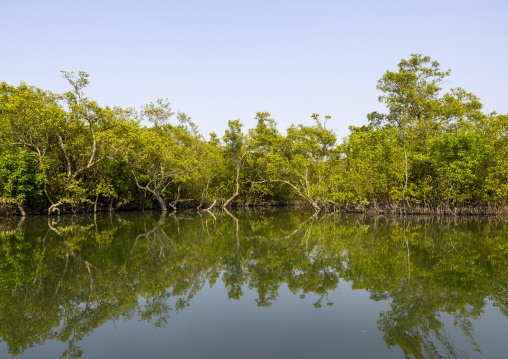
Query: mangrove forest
{"points": [[432, 150]]}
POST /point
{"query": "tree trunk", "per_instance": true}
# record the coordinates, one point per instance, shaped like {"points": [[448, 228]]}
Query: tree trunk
{"points": [[54, 207], [22, 210], [161, 203], [405, 174], [154, 192], [213, 204], [237, 189], [314, 205]]}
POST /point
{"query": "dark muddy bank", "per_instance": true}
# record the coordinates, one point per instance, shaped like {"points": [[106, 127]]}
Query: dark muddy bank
{"points": [[397, 208], [12, 209], [439, 209]]}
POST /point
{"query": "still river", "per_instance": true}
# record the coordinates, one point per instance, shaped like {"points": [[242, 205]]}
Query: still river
{"points": [[253, 284]]}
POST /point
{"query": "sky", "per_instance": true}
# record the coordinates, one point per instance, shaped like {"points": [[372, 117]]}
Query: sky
{"points": [[225, 60]]}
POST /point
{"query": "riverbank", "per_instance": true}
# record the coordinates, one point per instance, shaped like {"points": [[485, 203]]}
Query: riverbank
{"points": [[12, 209], [396, 208]]}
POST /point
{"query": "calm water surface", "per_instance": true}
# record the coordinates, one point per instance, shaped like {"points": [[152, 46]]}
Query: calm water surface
{"points": [[271, 284]]}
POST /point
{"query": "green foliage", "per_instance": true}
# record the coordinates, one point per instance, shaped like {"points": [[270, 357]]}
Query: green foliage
{"points": [[21, 176], [373, 164], [460, 159], [234, 140], [428, 148]]}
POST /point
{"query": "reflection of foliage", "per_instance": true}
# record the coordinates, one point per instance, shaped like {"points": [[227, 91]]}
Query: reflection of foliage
{"points": [[63, 279]]}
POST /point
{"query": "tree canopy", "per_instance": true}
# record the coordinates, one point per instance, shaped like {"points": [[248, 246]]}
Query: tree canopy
{"points": [[430, 151]]}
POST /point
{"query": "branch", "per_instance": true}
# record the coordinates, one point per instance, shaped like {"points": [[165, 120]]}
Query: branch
{"points": [[69, 171]]}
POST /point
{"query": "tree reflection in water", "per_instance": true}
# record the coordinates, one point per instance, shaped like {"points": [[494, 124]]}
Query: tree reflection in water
{"points": [[63, 277]]}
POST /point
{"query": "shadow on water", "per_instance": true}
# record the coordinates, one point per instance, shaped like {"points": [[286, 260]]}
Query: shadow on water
{"points": [[63, 277]]}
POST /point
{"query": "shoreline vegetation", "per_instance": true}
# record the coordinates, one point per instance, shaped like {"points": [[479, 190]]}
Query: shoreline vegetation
{"points": [[374, 208], [429, 153]]}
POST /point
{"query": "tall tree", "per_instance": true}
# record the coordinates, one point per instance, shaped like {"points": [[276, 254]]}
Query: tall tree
{"points": [[30, 118], [264, 141], [411, 96], [163, 154], [302, 161], [235, 148], [85, 138]]}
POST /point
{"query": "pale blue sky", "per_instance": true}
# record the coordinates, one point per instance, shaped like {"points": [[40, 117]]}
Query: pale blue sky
{"points": [[223, 60]]}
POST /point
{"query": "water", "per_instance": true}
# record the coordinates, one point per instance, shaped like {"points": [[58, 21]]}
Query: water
{"points": [[270, 284]]}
